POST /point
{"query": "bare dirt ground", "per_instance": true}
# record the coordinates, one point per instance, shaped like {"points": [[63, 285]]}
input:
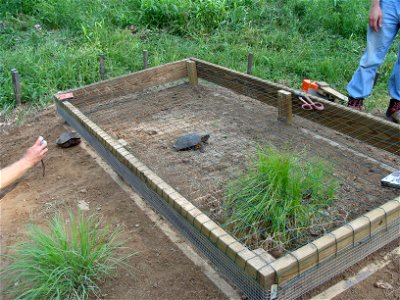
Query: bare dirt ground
{"points": [[159, 271], [150, 121]]}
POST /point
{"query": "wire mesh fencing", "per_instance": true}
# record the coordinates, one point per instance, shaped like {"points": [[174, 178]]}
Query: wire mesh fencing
{"points": [[240, 113]]}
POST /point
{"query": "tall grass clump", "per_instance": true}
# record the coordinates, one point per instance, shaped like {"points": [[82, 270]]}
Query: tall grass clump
{"points": [[183, 17], [278, 196], [67, 261]]}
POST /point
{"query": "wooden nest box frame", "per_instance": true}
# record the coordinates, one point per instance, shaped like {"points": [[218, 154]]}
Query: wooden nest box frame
{"points": [[260, 276]]}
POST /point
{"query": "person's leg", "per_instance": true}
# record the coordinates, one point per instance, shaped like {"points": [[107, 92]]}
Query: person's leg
{"points": [[378, 44], [393, 110], [394, 81]]}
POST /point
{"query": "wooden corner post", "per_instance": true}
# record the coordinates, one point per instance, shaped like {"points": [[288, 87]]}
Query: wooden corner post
{"points": [[192, 72], [285, 106]]}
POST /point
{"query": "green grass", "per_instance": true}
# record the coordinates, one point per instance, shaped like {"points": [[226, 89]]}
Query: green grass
{"points": [[67, 261], [291, 40], [278, 196]]}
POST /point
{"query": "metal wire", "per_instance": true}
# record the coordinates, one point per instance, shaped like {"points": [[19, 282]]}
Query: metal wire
{"points": [[225, 266], [149, 121]]}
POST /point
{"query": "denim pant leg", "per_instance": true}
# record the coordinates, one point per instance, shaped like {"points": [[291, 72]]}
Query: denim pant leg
{"points": [[394, 81], [378, 44]]}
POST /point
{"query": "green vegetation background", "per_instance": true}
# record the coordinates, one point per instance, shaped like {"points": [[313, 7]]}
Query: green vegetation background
{"points": [[55, 44]]}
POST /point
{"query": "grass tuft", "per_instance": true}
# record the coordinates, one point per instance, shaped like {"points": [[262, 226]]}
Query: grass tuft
{"points": [[278, 196], [66, 262]]}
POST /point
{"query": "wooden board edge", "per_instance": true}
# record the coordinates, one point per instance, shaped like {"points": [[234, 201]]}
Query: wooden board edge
{"points": [[181, 73], [371, 122], [349, 235]]}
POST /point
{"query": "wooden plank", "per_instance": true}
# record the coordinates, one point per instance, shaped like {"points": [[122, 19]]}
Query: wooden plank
{"points": [[285, 107], [127, 84], [264, 255], [362, 126], [192, 73], [357, 231]]}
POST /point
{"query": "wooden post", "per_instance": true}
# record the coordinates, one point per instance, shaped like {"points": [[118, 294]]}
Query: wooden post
{"points": [[102, 66], [285, 106], [145, 59], [17, 86], [192, 73], [249, 62]]}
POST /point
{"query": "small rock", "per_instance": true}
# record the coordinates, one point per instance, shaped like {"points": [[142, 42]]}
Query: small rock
{"points": [[99, 208], [383, 285], [83, 205], [83, 191], [151, 132], [137, 225]]}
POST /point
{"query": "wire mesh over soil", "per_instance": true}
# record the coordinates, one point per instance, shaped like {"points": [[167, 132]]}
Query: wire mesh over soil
{"points": [[150, 121]]}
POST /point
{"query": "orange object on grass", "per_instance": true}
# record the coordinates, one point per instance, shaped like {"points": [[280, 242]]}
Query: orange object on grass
{"points": [[309, 84]]}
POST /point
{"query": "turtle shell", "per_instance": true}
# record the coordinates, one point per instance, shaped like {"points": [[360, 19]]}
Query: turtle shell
{"points": [[190, 140], [68, 139]]}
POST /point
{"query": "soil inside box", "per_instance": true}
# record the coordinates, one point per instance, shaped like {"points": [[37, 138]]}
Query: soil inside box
{"points": [[150, 121]]}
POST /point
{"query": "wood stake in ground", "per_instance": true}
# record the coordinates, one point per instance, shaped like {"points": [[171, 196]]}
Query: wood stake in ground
{"points": [[192, 73], [285, 106], [17, 86]]}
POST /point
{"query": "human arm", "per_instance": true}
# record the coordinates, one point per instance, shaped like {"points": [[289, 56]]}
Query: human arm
{"points": [[375, 15], [31, 157]]}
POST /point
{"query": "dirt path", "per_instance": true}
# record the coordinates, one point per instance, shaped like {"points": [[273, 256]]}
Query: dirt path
{"points": [[160, 271]]}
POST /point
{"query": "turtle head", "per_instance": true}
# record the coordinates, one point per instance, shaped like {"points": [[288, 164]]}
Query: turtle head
{"points": [[205, 137]]}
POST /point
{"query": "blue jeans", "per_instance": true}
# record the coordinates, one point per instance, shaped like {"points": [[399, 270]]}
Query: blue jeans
{"points": [[378, 44]]}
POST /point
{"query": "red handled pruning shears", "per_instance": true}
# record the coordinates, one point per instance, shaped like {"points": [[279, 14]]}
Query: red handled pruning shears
{"points": [[308, 104]]}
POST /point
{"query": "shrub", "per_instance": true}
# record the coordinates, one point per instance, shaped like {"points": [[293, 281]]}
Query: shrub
{"points": [[67, 262], [278, 196]]}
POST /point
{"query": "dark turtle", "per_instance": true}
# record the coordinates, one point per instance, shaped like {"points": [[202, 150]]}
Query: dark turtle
{"points": [[68, 139], [191, 141]]}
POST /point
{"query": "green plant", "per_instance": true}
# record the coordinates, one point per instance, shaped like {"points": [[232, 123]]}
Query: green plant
{"points": [[278, 196], [65, 262]]}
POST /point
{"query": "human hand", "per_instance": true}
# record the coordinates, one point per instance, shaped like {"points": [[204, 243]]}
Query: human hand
{"points": [[36, 152], [375, 17]]}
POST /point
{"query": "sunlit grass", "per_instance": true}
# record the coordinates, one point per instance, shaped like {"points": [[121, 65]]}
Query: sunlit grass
{"points": [[278, 195], [67, 261], [291, 40]]}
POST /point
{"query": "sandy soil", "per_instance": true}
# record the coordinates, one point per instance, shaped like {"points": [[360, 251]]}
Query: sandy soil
{"points": [[160, 271]]}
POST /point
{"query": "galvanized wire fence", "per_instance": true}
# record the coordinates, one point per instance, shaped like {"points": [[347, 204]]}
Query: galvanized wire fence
{"points": [[151, 121], [240, 114]]}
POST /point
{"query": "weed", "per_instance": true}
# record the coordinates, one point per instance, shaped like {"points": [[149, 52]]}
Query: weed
{"points": [[278, 196], [291, 40], [67, 262]]}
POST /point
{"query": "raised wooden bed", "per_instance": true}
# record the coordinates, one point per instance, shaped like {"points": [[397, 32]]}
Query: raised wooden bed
{"points": [[267, 272]]}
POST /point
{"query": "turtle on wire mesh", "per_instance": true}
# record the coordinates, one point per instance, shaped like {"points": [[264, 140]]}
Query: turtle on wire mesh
{"points": [[191, 141], [68, 139]]}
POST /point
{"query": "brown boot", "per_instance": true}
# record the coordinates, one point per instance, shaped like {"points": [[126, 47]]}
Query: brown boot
{"points": [[356, 104], [393, 111]]}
